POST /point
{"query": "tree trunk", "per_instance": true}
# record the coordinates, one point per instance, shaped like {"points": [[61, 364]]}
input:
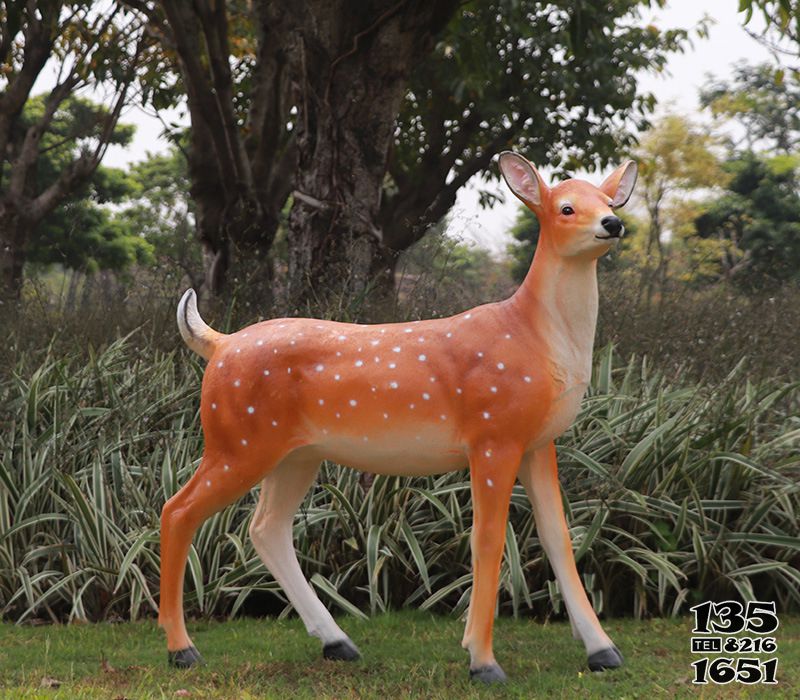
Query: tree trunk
{"points": [[72, 290], [383, 294], [13, 235], [352, 64], [234, 229]]}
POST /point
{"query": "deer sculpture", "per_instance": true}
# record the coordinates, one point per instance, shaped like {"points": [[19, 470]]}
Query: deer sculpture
{"points": [[488, 389]]}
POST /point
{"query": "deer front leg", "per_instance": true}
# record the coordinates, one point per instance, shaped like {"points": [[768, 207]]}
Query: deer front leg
{"points": [[492, 471], [539, 475]]}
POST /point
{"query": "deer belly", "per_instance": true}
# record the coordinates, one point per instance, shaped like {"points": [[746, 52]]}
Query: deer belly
{"points": [[388, 455], [560, 416]]}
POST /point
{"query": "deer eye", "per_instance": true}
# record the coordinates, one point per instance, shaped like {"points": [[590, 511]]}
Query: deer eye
{"points": [[567, 210]]}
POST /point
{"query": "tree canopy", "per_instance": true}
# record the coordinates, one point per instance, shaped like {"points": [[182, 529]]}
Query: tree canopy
{"points": [[556, 82], [90, 46], [759, 214]]}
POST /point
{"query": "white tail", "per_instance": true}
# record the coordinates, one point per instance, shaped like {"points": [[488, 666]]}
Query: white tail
{"points": [[196, 333]]}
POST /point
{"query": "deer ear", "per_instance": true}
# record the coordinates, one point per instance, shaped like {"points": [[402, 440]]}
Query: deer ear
{"points": [[619, 185], [521, 177]]}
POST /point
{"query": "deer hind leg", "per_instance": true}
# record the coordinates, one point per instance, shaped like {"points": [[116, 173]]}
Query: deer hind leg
{"points": [[219, 481], [539, 475], [282, 491], [492, 473]]}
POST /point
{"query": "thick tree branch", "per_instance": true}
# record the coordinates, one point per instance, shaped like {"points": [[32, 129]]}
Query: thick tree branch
{"points": [[29, 151], [406, 220], [39, 36], [214, 23], [200, 95]]}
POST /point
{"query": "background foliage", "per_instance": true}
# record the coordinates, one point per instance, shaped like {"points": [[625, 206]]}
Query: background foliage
{"points": [[676, 493]]}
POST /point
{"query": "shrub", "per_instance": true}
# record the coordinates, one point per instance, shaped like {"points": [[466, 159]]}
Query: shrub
{"points": [[675, 493]]}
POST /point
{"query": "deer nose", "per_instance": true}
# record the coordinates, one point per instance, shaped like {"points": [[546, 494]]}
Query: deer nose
{"points": [[612, 224]]}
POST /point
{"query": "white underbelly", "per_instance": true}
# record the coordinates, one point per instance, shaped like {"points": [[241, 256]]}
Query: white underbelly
{"points": [[409, 457]]}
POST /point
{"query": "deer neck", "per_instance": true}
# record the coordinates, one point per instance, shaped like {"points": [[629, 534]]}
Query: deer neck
{"points": [[558, 300]]}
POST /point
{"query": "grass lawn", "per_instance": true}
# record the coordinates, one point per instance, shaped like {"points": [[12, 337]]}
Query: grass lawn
{"points": [[406, 655]]}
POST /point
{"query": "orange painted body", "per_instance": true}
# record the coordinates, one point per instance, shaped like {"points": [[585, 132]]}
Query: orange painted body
{"points": [[487, 389]]}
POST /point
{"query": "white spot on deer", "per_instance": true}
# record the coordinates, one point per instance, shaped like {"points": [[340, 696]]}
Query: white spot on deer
{"points": [[373, 343], [383, 330], [527, 379], [238, 349], [259, 342], [468, 316], [281, 325], [338, 415], [377, 359], [366, 439], [500, 365], [274, 424], [238, 382], [244, 335], [396, 348], [489, 483], [373, 389], [321, 402], [319, 368], [408, 330], [458, 390], [319, 327], [443, 416], [275, 351], [359, 363], [291, 342], [392, 365], [420, 339], [208, 483], [353, 402], [251, 410], [411, 406], [448, 334], [426, 396], [433, 379], [213, 407], [338, 354], [220, 363], [324, 431], [244, 442], [393, 385], [266, 373], [288, 370], [359, 349], [488, 453], [337, 377], [493, 389], [480, 354], [486, 415], [422, 358], [385, 416], [342, 337], [508, 336], [226, 467]]}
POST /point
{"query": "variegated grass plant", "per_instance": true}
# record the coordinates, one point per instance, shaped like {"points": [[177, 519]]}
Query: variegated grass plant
{"points": [[674, 494]]}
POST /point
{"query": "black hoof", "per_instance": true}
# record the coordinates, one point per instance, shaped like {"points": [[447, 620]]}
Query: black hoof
{"points": [[605, 658], [184, 658], [488, 674], [343, 650]]}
